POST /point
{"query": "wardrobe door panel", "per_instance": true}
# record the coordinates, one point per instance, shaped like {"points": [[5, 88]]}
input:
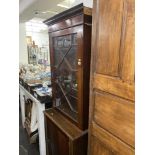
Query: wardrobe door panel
{"points": [[115, 115], [112, 85], [99, 148], [104, 143], [127, 56], [109, 36]]}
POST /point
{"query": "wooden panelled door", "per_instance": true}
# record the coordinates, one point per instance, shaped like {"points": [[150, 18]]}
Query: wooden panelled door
{"points": [[112, 89]]}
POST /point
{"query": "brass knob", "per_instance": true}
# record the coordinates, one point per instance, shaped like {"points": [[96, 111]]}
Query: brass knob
{"points": [[79, 62]]}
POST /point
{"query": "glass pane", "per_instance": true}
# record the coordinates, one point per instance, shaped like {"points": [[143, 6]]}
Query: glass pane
{"points": [[65, 57]]}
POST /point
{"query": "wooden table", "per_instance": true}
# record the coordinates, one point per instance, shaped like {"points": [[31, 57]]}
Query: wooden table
{"points": [[40, 116]]}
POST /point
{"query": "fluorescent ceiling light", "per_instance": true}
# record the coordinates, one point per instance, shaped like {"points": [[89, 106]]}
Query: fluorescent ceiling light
{"points": [[71, 1], [66, 3], [54, 12], [63, 6]]}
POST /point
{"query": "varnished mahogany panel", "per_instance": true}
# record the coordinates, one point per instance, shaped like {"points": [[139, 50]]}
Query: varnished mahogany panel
{"points": [[75, 29], [57, 141], [73, 21]]}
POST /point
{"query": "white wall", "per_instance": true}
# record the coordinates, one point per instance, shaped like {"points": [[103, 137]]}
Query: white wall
{"points": [[88, 3], [23, 57], [40, 38]]}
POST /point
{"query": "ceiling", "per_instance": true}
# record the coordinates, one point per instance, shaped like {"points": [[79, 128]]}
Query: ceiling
{"points": [[43, 9]]}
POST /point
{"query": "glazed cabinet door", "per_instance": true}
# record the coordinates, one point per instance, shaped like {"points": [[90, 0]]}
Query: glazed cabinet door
{"points": [[66, 60], [112, 79]]}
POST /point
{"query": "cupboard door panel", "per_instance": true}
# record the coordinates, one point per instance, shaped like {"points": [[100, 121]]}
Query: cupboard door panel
{"points": [[58, 142], [118, 116], [127, 56], [99, 149], [114, 86], [109, 36], [104, 143]]}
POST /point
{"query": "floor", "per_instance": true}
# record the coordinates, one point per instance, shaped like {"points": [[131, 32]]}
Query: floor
{"points": [[25, 148]]}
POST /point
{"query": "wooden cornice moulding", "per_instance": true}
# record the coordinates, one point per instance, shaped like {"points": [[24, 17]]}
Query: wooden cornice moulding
{"points": [[63, 15]]}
